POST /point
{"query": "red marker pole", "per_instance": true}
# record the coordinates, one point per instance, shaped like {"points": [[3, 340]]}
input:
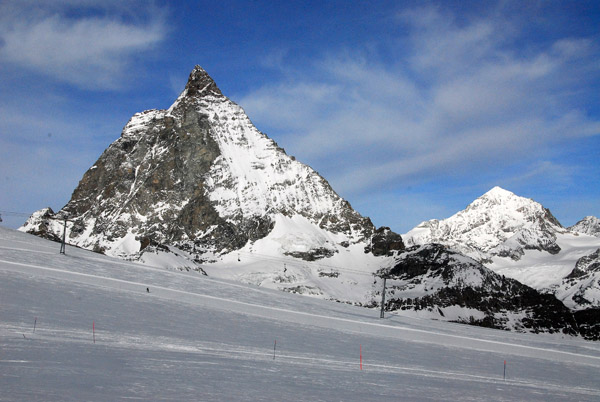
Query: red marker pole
{"points": [[94, 330], [361, 356], [504, 370]]}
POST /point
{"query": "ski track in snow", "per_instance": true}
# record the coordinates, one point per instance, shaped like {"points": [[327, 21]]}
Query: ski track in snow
{"points": [[313, 319], [229, 361], [119, 341]]}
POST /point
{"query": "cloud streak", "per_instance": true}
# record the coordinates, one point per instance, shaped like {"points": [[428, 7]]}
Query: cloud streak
{"points": [[90, 51], [457, 98]]}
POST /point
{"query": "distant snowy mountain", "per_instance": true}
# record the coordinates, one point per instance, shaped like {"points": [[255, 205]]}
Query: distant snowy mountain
{"points": [[499, 223], [433, 281], [197, 185], [520, 239], [589, 225]]}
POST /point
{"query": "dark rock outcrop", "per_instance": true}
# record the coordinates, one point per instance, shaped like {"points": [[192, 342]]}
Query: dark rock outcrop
{"points": [[437, 279], [384, 242]]}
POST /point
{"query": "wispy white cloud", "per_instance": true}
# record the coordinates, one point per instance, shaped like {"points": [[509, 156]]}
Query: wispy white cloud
{"points": [[92, 50], [459, 97], [543, 172]]}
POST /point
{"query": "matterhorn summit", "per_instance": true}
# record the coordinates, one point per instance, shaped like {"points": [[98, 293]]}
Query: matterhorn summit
{"points": [[197, 185]]}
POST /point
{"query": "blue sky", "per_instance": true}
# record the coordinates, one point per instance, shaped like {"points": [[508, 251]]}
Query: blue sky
{"points": [[410, 109]]}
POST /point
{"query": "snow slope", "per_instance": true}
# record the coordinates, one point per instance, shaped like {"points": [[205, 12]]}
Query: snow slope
{"points": [[198, 338], [347, 275], [541, 270]]}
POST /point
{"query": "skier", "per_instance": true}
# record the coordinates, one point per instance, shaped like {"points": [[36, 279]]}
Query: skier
{"points": [[147, 290]]}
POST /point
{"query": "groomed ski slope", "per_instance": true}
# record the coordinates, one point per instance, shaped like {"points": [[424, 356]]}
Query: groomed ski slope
{"points": [[198, 338]]}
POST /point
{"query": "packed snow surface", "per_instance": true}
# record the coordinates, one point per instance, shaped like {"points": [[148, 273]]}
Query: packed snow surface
{"points": [[82, 326]]}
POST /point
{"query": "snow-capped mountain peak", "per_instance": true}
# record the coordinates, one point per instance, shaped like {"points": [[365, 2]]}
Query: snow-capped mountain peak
{"points": [[589, 225], [201, 84], [497, 223], [201, 181], [497, 195], [200, 167]]}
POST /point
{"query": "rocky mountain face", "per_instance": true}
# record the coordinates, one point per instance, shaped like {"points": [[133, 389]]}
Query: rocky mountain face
{"points": [[581, 288], [435, 281], [499, 223], [589, 225], [198, 182]]}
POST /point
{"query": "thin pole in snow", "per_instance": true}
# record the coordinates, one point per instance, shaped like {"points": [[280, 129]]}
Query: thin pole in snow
{"points": [[360, 354], [504, 370], [381, 315], [94, 331], [274, 347], [34, 324], [62, 245]]}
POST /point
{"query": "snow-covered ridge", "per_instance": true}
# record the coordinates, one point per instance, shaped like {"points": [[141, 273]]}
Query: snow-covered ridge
{"points": [[497, 223], [589, 225], [140, 122], [253, 176]]}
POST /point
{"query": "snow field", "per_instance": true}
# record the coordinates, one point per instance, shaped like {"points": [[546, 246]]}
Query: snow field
{"points": [[199, 338], [545, 272]]}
